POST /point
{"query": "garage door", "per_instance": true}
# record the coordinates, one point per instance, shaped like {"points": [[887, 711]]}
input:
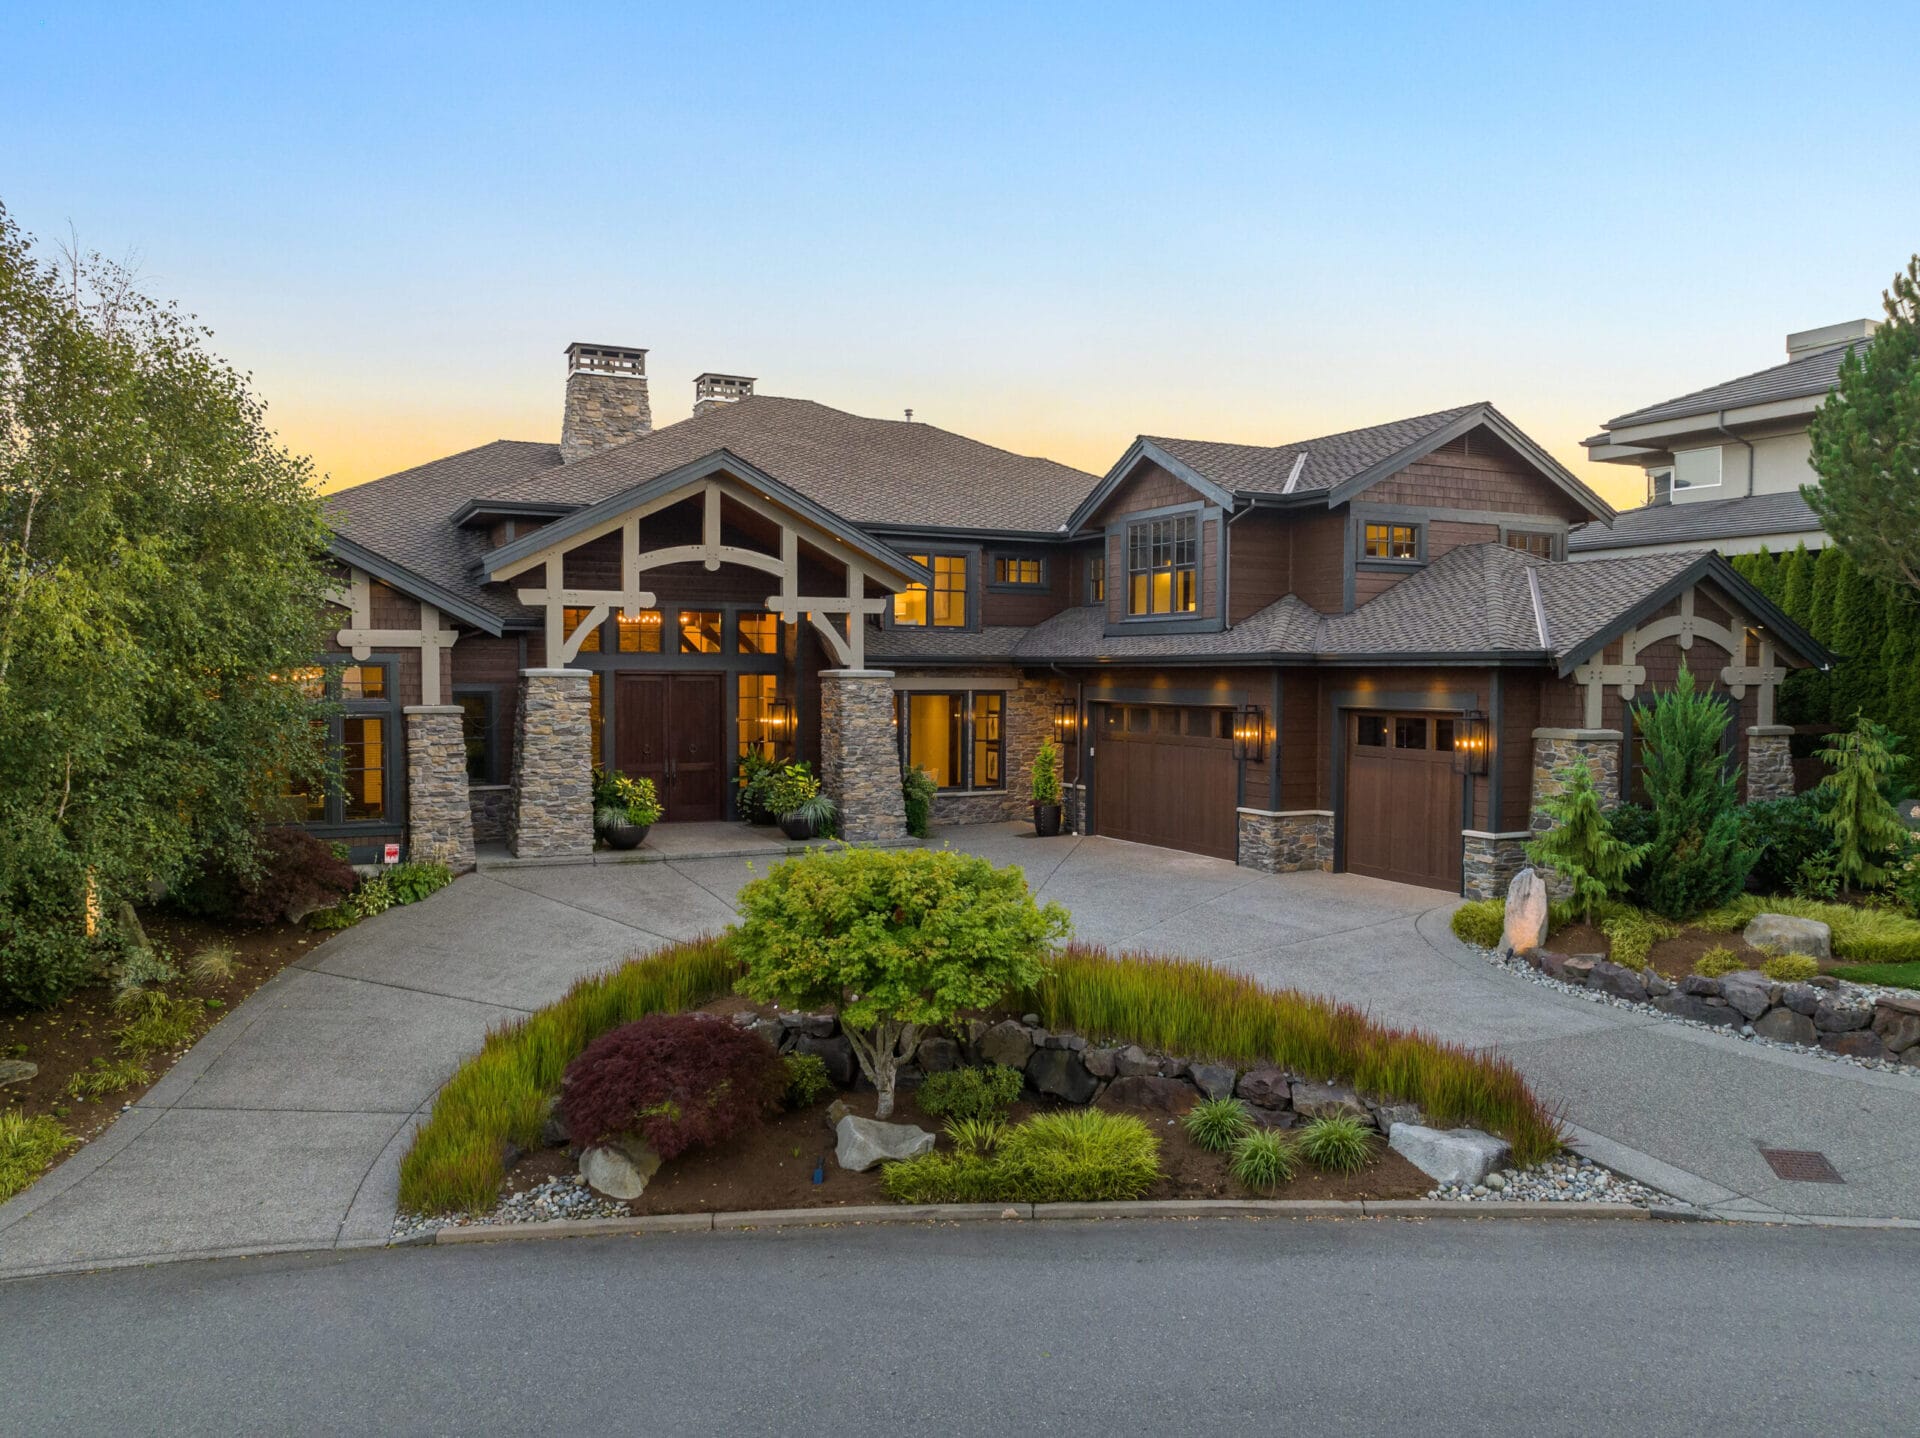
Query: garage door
{"points": [[1165, 774], [1402, 813]]}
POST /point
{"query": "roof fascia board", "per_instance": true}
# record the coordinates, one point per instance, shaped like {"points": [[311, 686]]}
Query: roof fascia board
{"points": [[1481, 414], [718, 462], [938, 532], [509, 509], [1703, 421], [404, 579], [1143, 449]]}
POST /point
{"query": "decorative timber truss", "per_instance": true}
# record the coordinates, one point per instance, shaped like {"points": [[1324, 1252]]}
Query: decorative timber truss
{"points": [[1738, 638], [361, 638]]}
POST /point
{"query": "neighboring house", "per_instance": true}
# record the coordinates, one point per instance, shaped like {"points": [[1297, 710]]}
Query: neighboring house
{"points": [[1724, 465], [1360, 652]]}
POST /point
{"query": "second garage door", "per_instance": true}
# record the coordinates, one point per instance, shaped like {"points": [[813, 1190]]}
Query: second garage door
{"points": [[1402, 810], [1165, 774]]}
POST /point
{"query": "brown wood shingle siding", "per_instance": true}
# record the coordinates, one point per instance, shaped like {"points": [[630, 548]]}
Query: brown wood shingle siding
{"points": [[1475, 471]]}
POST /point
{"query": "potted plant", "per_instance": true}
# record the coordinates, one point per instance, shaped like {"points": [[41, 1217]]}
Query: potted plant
{"points": [[623, 809], [1046, 790], [801, 810]]}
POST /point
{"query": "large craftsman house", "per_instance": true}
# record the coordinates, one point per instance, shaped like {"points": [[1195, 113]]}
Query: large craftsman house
{"points": [[1363, 652]]}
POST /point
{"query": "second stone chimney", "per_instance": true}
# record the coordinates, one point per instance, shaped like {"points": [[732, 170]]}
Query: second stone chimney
{"points": [[711, 391], [606, 399]]}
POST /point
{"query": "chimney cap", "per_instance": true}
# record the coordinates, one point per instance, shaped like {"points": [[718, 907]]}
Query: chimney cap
{"points": [[606, 359], [1802, 343], [736, 378]]}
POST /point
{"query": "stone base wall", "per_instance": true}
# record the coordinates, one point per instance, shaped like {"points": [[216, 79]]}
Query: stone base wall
{"points": [[859, 765], [1286, 843], [1769, 763], [1073, 799], [492, 806], [1489, 862], [1558, 749], [439, 814], [552, 798]]}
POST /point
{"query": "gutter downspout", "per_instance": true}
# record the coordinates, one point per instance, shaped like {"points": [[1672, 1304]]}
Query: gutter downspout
{"points": [[1720, 423]]}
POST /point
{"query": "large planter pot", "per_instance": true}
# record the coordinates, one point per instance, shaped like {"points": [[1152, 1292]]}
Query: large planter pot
{"points": [[1046, 820], [796, 827], [625, 836]]}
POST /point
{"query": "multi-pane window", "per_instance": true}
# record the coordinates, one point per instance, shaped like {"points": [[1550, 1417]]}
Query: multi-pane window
{"points": [[571, 620], [361, 734], [1162, 566], [759, 632], [1011, 569], [1531, 541], [480, 728], [761, 725], [1392, 541], [942, 607], [700, 631], [640, 633], [957, 738], [1097, 577]]}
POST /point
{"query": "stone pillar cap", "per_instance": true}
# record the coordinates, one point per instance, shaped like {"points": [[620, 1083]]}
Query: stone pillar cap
{"points": [[1613, 735], [856, 674], [432, 709], [1764, 731], [556, 673]]}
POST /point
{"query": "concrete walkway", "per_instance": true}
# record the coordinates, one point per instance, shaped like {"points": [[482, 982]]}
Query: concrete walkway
{"points": [[283, 1129]]}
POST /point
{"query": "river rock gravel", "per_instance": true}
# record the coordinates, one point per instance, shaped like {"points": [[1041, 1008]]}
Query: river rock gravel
{"points": [[1560, 1180]]}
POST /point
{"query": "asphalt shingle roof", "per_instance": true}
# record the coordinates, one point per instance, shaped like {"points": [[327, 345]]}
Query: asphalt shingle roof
{"points": [[1329, 460], [1699, 523], [1814, 374]]}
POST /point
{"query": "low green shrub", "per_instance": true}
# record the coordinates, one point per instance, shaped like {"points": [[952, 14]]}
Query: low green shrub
{"points": [[105, 1076], [160, 1024], [1337, 1143], [619, 799], [1783, 834], [971, 1093], [1074, 1156], [411, 882], [1790, 968], [976, 1135], [807, 1080], [1717, 962], [139, 971], [27, 1146], [1632, 933], [1216, 1124], [1481, 921], [1866, 936], [287, 870], [1186, 1006], [406, 883], [917, 791], [1263, 1159]]}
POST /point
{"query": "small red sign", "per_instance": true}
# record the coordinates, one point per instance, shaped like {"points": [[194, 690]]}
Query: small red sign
{"points": [[392, 855]]}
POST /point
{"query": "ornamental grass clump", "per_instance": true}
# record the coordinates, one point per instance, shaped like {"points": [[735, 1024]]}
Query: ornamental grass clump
{"points": [[1790, 968], [896, 941], [104, 1077], [1075, 1156], [1718, 962], [679, 1081], [27, 1146], [985, 1092], [1481, 921], [1216, 1124], [1337, 1143], [1263, 1159], [1866, 936], [1185, 1006], [1632, 933]]}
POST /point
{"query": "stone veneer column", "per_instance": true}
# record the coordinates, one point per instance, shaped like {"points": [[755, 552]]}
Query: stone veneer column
{"points": [[1557, 749], [552, 806], [859, 763], [1769, 762], [439, 813], [1286, 841], [1073, 808], [1489, 861]]}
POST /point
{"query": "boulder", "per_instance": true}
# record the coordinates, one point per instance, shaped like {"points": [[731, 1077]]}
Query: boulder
{"points": [[1150, 1091], [1841, 1013], [1387, 1115], [1784, 1026], [1328, 1100], [863, 1142], [1060, 1074], [1801, 998], [1213, 1080], [1897, 1025], [1526, 923], [1006, 1043], [1099, 1062], [1134, 1061], [836, 1111], [1749, 991], [1618, 980], [1784, 934], [767, 1026], [1857, 1044], [1462, 1155], [1265, 1087], [1702, 1011], [937, 1055], [1658, 985], [1579, 971], [553, 1126], [819, 1026], [1701, 986], [16, 1071], [1173, 1067], [836, 1053], [619, 1168], [1553, 965]]}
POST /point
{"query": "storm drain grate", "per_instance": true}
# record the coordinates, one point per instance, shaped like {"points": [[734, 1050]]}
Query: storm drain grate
{"points": [[1801, 1165]]}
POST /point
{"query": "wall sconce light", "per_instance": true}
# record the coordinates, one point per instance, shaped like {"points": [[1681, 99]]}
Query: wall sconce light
{"points": [[1250, 733], [778, 723], [1066, 719], [1475, 741]]}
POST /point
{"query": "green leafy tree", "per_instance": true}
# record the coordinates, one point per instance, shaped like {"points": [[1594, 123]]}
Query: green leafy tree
{"points": [[1696, 859], [1580, 846], [898, 941], [161, 580], [1854, 802]]}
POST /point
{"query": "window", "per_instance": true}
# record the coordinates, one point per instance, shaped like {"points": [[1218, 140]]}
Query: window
{"points": [[1409, 733], [1660, 485], [361, 733], [1371, 731], [759, 632], [1021, 573], [480, 727], [948, 607], [1443, 735], [1696, 468], [1162, 566], [1097, 577], [1531, 541], [699, 631], [640, 634], [957, 738], [758, 723], [1392, 541], [571, 619]]}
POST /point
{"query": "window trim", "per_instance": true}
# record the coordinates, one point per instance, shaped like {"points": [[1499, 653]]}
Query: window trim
{"points": [[903, 717], [1556, 539], [1390, 561], [970, 559], [1096, 574], [393, 766], [1018, 586], [1194, 514]]}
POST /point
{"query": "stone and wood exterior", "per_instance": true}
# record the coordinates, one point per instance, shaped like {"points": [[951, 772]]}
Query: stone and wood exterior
{"points": [[1363, 652]]}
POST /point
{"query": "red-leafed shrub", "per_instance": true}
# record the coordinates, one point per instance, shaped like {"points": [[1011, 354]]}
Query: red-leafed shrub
{"points": [[294, 872], [677, 1080]]}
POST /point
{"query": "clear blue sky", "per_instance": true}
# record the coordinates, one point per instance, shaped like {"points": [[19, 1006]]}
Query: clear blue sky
{"points": [[1051, 227]]}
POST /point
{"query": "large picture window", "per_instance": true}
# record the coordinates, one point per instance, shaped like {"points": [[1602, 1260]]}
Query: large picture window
{"points": [[956, 737], [944, 606], [1163, 566], [363, 734]]}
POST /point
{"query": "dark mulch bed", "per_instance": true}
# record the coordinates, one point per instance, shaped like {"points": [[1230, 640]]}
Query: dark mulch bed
{"points": [[773, 1167], [65, 1039], [1671, 958]]}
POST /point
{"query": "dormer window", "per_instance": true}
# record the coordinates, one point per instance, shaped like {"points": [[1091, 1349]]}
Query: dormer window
{"points": [[1163, 566], [944, 606], [1392, 541]]}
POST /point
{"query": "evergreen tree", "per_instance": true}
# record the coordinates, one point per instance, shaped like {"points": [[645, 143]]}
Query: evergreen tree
{"points": [[1580, 846], [1827, 570], [1766, 575], [1796, 585], [1802, 697], [1855, 807], [1859, 611], [1696, 859]]}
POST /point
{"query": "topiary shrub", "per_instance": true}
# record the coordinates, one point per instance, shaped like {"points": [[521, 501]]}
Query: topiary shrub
{"points": [[288, 872], [1717, 962], [1480, 921], [1791, 968], [971, 1093], [680, 1081]]}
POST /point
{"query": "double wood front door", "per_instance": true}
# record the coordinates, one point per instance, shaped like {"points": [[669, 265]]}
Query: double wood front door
{"points": [[667, 729]]}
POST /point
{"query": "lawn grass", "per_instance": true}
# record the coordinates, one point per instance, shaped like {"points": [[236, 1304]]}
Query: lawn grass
{"points": [[1892, 976], [1867, 936], [1186, 1007]]}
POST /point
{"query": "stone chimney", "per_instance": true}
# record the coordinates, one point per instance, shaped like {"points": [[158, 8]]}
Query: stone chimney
{"points": [[1829, 337], [606, 399], [711, 391]]}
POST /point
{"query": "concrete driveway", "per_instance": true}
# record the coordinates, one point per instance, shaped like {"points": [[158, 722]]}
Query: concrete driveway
{"points": [[283, 1129]]}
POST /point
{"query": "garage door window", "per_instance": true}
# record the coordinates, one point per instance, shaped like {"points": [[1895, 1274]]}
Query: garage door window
{"points": [[956, 737]]}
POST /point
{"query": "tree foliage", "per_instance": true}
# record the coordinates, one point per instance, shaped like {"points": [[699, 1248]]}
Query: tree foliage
{"points": [[1580, 846], [161, 576], [1696, 859], [1854, 803]]}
